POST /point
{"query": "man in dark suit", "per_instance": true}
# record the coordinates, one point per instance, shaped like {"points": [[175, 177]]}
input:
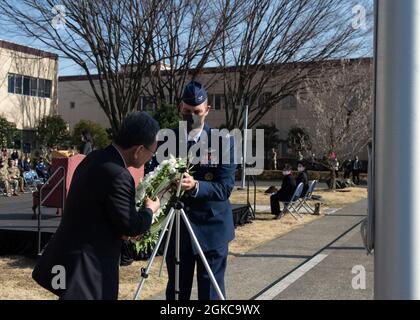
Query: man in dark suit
{"points": [[302, 178], [286, 192], [206, 199], [99, 212]]}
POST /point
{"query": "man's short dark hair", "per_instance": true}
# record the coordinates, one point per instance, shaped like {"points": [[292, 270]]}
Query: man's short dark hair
{"points": [[287, 167], [86, 134], [302, 163], [137, 129]]}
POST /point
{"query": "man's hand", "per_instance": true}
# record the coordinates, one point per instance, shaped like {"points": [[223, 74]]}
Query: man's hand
{"points": [[153, 205], [188, 183]]}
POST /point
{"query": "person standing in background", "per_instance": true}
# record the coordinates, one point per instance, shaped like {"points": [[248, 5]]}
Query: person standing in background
{"points": [[302, 178], [356, 167], [86, 146]]}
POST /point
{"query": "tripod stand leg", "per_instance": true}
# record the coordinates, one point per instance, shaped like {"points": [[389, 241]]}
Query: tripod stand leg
{"points": [[144, 273], [165, 251], [201, 253], [177, 251]]}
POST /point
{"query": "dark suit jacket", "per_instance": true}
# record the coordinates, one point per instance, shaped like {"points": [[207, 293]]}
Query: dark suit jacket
{"points": [[288, 188], [358, 165], [210, 212], [303, 178], [99, 209]]}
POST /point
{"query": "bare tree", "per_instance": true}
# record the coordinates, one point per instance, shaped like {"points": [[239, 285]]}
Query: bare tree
{"points": [[110, 41], [188, 34], [265, 58], [339, 102], [130, 48]]}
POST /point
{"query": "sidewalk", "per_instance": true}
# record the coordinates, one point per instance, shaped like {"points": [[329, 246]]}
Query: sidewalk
{"points": [[312, 262]]}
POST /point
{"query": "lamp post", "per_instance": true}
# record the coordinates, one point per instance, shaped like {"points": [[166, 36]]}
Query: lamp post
{"points": [[245, 142]]}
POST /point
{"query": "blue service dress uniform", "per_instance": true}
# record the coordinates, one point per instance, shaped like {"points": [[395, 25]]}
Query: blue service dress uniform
{"points": [[210, 214]]}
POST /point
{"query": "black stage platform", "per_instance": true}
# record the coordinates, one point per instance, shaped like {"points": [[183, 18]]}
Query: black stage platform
{"points": [[18, 232]]}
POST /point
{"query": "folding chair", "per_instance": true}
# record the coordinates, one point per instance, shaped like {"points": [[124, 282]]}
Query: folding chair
{"points": [[31, 180], [291, 206], [303, 202]]}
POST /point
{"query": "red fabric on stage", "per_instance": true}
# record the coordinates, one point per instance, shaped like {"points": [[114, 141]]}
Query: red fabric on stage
{"points": [[70, 165]]}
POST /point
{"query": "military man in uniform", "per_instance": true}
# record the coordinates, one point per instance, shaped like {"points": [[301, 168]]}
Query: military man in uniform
{"points": [[15, 179], [206, 200], [4, 177]]}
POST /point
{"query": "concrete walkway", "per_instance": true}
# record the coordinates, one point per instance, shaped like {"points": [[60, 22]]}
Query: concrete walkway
{"points": [[312, 262]]}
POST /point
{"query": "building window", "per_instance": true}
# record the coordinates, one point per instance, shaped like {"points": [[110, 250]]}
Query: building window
{"points": [[147, 103], [41, 87], [11, 83], [72, 105], [284, 147], [47, 89], [263, 99], [210, 100], [29, 86], [26, 86], [218, 101], [18, 84], [34, 87], [289, 102]]}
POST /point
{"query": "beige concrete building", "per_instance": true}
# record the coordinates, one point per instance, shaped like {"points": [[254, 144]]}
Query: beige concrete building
{"points": [[77, 101], [28, 85]]}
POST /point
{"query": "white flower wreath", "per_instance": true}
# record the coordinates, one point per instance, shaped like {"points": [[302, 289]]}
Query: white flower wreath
{"points": [[158, 184]]}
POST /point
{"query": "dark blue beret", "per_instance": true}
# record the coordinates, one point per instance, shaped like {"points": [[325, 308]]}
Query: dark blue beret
{"points": [[194, 94]]}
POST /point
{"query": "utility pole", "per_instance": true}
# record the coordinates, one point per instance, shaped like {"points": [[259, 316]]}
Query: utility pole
{"points": [[397, 149], [245, 143]]}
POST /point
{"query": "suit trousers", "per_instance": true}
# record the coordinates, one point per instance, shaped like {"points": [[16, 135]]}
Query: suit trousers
{"points": [[275, 200]]}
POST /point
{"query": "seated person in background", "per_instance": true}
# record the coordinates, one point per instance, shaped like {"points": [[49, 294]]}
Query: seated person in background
{"points": [[26, 164], [9, 184], [286, 192], [14, 177], [42, 170], [20, 164], [302, 178], [14, 155], [4, 177]]}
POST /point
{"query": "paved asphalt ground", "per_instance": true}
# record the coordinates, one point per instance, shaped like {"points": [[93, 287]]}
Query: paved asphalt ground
{"points": [[314, 262]]}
